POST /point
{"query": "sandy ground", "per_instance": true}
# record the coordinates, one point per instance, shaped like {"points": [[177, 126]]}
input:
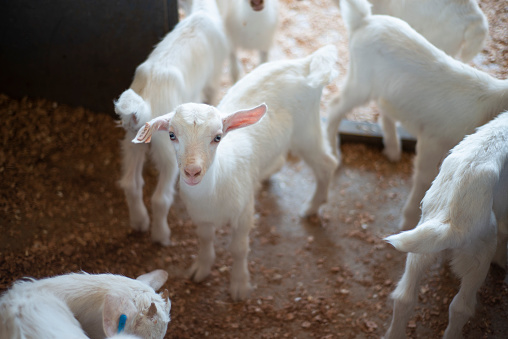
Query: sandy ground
{"points": [[62, 211]]}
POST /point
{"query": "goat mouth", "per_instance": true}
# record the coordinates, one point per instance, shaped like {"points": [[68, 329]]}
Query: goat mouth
{"points": [[191, 181], [257, 5]]}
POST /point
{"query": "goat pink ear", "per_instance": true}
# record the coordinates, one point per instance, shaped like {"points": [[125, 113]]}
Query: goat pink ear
{"points": [[243, 118], [154, 279], [114, 307], [145, 133]]}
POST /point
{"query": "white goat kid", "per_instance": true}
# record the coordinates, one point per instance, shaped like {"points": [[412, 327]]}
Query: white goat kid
{"points": [[458, 27], [221, 168], [461, 212], [435, 97], [79, 305], [249, 24], [186, 63]]}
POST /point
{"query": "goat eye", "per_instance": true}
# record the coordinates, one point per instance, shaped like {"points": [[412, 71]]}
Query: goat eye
{"points": [[172, 136], [217, 138]]}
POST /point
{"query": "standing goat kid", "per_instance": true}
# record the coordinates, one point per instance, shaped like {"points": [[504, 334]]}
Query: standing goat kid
{"points": [[435, 97], [80, 305], [457, 27], [185, 64], [222, 166], [462, 211], [249, 24]]}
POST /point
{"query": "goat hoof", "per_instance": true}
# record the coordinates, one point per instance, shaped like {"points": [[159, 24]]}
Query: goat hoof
{"points": [[164, 241], [197, 273], [161, 235], [392, 155], [308, 210], [141, 225], [499, 263], [240, 291]]}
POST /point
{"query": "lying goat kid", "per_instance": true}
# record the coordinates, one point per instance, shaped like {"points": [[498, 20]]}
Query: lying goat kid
{"points": [[80, 305]]}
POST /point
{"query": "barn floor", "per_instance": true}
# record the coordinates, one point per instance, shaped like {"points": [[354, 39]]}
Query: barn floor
{"points": [[61, 210]]}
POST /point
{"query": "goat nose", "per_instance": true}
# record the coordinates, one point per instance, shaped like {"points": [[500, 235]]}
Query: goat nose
{"points": [[192, 170]]}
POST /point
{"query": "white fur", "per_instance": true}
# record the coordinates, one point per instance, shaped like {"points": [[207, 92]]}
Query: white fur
{"points": [[183, 66], [80, 305], [461, 212], [249, 29], [249, 24], [218, 181], [435, 97], [458, 27]]}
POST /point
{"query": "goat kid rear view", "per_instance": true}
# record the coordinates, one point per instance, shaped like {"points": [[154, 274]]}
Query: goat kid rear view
{"points": [[465, 212], [436, 98]]}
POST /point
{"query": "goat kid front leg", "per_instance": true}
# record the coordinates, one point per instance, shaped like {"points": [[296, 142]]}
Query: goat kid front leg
{"points": [[202, 267], [212, 88], [263, 57], [426, 167], [162, 199], [240, 286], [132, 182], [235, 66], [405, 294]]}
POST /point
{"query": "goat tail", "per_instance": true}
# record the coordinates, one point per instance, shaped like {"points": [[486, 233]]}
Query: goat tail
{"points": [[474, 39], [132, 110], [428, 237], [323, 66], [354, 13]]}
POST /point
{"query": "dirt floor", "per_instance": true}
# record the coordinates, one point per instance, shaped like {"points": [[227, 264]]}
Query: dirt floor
{"points": [[61, 211]]}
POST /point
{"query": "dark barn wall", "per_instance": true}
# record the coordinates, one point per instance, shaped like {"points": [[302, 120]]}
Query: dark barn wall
{"points": [[79, 52]]}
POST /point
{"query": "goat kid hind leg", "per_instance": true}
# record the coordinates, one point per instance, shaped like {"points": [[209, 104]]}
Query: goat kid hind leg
{"points": [[426, 167], [132, 182], [405, 294], [472, 264], [500, 208], [319, 157], [502, 238]]}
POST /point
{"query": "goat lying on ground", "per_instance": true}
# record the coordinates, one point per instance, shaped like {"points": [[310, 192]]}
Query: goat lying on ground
{"points": [[79, 305], [221, 167], [461, 212], [435, 97], [458, 27], [186, 63]]}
